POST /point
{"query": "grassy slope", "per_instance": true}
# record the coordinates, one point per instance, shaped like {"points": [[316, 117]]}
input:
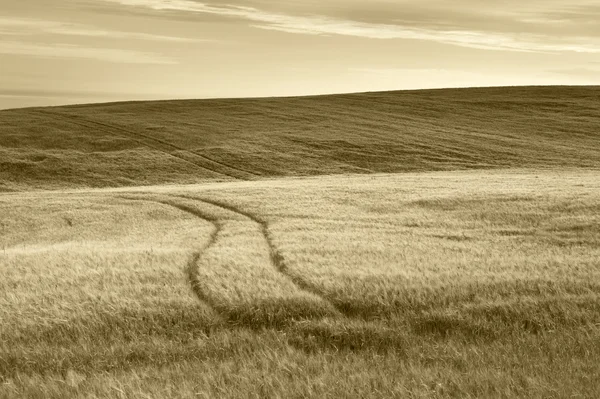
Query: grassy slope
{"points": [[141, 143], [454, 284], [457, 284]]}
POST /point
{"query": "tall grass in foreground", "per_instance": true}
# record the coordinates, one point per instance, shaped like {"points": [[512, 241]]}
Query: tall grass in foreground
{"points": [[434, 285]]}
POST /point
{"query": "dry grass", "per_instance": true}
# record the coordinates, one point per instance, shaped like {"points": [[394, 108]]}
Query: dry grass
{"points": [[145, 143], [453, 284], [89, 282]]}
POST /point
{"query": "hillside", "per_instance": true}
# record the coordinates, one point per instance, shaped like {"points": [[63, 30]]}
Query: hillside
{"points": [[189, 141]]}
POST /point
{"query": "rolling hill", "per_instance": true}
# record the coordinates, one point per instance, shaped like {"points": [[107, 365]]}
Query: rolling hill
{"points": [[193, 141], [476, 279]]}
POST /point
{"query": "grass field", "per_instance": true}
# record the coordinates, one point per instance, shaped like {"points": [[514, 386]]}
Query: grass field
{"points": [[146, 143], [427, 244], [445, 284]]}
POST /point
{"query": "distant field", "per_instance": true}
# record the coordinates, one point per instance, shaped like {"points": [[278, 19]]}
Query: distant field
{"points": [[445, 284], [141, 143]]}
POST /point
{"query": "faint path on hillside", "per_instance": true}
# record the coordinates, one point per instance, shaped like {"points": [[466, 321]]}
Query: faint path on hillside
{"points": [[250, 175], [209, 165]]}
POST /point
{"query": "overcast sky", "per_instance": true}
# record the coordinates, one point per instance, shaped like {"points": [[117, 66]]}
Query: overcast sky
{"points": [[75, 51]]}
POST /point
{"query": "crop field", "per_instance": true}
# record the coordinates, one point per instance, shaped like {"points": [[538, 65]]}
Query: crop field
{"points": [[196, 141], [474, 283], [426, 244]]}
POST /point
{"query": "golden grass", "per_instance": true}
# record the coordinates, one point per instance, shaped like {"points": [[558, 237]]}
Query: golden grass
{"points": [[400, 248], [97, 289], [454, 284]]}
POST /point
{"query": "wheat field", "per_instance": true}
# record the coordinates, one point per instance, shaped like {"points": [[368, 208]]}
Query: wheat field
{"points": [[479, 283], [197, 141]]}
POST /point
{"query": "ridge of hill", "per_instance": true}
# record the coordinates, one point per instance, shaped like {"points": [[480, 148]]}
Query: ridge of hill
{"points": [[192, 141]]}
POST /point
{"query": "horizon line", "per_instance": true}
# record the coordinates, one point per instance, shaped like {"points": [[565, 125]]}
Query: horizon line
{"points": [[175, 99]]}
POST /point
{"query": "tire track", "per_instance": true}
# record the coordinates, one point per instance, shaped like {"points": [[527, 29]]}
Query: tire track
{"points": [[159, 145], [275, 256], [191, 268]]}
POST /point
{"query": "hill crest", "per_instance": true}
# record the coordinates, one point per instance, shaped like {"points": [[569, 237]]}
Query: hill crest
{"points": [[193, 141]]}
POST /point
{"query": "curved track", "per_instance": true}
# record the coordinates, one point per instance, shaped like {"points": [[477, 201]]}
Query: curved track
{"points": [[219, 232], [277, 260]]}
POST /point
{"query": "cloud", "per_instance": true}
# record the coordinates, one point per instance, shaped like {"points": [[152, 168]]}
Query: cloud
{"points": [[113, 55], [323, 25], [23, 26]]}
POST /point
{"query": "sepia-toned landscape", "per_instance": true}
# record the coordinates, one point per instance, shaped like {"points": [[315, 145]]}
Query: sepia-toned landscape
{"points": [[410, 244]]}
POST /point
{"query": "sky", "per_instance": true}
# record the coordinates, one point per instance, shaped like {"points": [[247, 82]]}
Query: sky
{"points": [[81, 51]]}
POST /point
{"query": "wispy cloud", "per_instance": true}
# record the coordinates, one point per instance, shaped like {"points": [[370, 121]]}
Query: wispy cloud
{"points": [[25, 26], [322, 25], [113, 55]]}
